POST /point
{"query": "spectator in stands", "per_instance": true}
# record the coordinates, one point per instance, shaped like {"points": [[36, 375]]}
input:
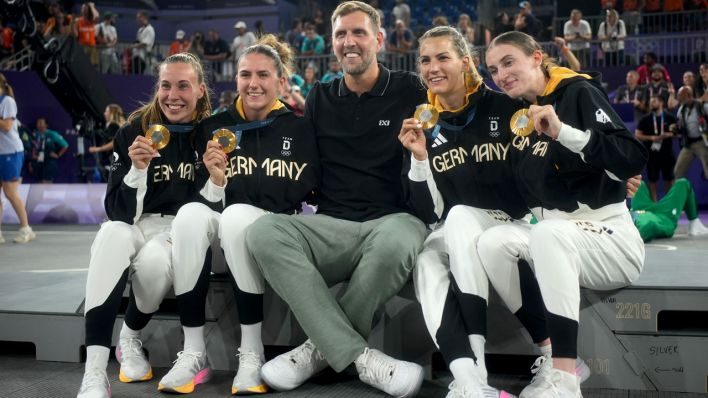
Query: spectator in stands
{"points": [[310, 79], [11, 159], [696, 19], [567, 58], [295, 35], [658, 86], [612, 33], [689, 79], [226, 99], [658, 220], [375, 5], [106, 40], [217, 51], [180, 44], [401, 40], [313, 44], [525, 21], [144, 40], [692, 116], [577, 35], [439, 20], [320, 22], [291, 95], [334, 72], [196, 44], [242, 41], [85, 31], [633, 93], [673, 5], [58, 22], [47, 147], [657, 130], [258, 28], [650, 60], [7, 41], [502, 24], [631, 14], [103, 144], [141, 202], [702, 84], [476, 34], [401, 11], [652, 6]]}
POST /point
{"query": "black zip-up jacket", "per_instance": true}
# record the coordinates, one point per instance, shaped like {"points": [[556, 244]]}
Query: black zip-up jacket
{"points": [[470, 167], [274, 167], [582, 174], [161, 188]]}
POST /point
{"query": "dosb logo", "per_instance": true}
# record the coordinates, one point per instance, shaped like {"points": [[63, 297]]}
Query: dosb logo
{"points": [[286, 146], [493, 128]]}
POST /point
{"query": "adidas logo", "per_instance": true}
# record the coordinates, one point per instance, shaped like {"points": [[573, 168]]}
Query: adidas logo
{"points": [[439, 140]]}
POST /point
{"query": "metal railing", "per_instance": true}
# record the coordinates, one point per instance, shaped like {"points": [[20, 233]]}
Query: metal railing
{"points": [[19, 61], [670, 48], [646, 23]]}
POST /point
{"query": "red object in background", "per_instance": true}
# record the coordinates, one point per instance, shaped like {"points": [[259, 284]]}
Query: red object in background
{"points": [[127, 61]]}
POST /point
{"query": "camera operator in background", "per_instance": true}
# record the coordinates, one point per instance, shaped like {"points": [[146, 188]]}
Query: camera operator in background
{"points": [[612, 33], [693, 128]]}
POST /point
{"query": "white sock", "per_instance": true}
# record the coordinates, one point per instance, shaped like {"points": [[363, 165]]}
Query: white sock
{"points": [[126, 332], [465, 372], [97, 357], [546, 350], [477, 342], [194, 339], [251, 337]]}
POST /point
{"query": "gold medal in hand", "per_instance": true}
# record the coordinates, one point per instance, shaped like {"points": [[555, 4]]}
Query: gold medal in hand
{"points": [[226, 138], [521, 124], [159, 135], [427, 115]]}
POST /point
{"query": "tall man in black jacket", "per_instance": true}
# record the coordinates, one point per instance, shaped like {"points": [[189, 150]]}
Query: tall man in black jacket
{"points": [[363, 231]]}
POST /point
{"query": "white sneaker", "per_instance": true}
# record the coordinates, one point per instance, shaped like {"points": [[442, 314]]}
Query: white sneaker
{"points": [[696, 228], [2, 240], [556, 384], [288, 371], [134, 366], [25, 234], [546, 381], [394, 377], [476, 391], [189, 370], [248, 377], [94, 384]]}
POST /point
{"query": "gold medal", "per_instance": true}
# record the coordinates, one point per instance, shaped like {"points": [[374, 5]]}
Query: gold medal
{"points": [[159, 135], [427, 115], [521, 124], [226, 138]]}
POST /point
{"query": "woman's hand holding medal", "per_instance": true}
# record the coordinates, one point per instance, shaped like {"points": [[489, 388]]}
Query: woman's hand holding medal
{"points": [[413, 138], [545, 120], [141, 152], [215, 161]]}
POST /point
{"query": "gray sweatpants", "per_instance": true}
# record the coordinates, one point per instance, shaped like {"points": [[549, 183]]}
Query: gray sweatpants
{"points": [[301, 256]]}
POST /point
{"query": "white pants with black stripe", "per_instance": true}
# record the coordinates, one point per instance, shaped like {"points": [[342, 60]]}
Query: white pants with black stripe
{"points": [[197, 227], [145, 248], [566, 254], [452, 248]]}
